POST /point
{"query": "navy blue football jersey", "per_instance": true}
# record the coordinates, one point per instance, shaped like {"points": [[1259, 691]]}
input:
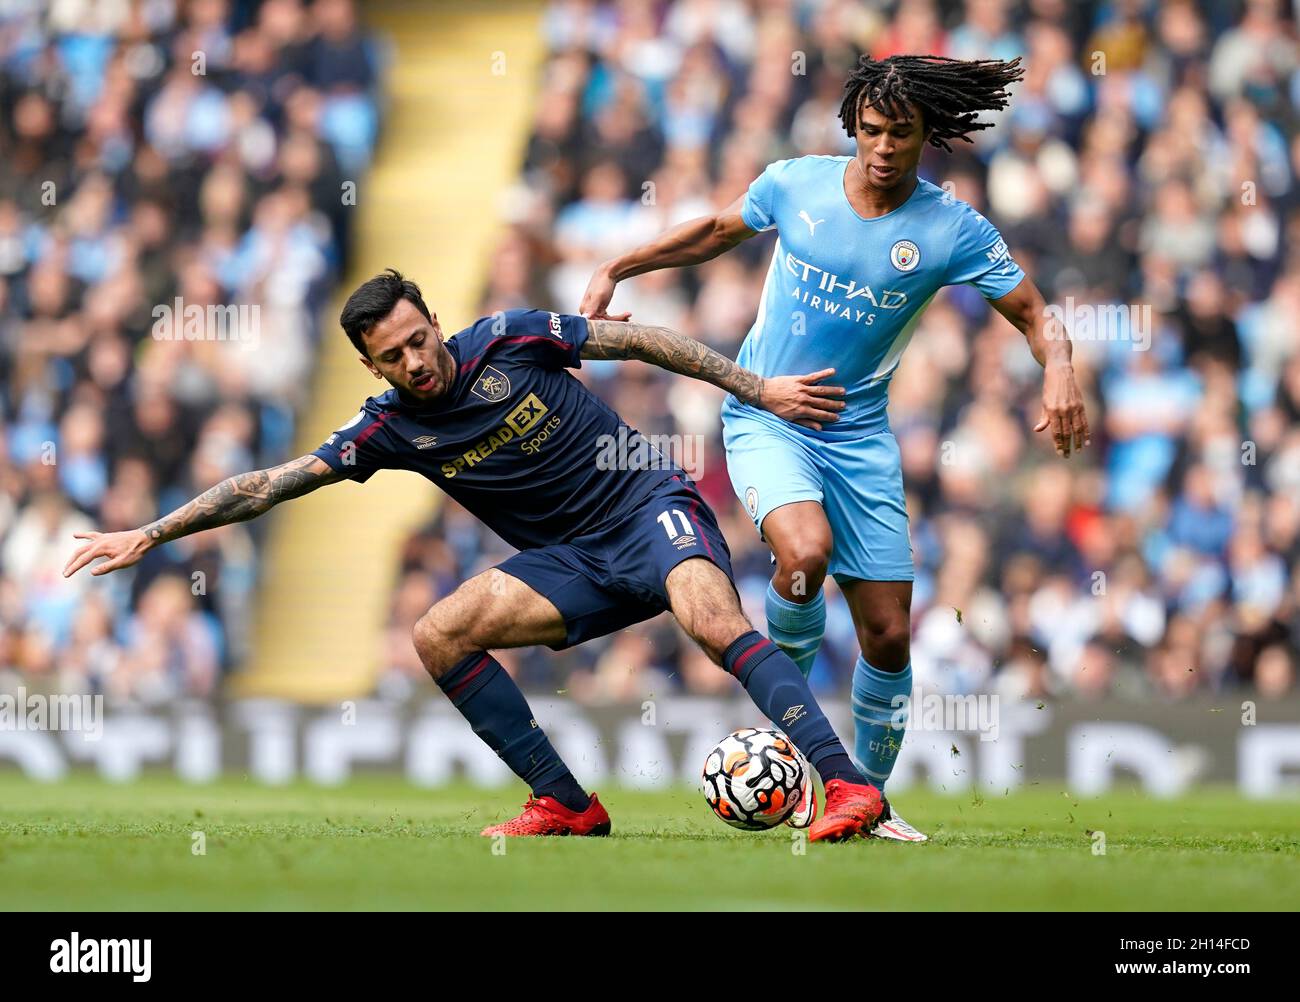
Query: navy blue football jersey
{"points": [[517, 440]]}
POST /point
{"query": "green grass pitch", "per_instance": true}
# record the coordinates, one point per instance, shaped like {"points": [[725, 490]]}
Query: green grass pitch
{"points": [[381, 844]]}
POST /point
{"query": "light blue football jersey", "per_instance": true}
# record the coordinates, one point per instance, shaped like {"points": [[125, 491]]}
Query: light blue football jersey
{"points": [[845, 292]]}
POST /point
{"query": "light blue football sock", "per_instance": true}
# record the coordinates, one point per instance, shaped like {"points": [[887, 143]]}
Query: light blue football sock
{"points": [[881, 701], [796, 629]]}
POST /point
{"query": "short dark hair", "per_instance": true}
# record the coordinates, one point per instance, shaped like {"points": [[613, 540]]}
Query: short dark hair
{"points": [[949, 93], [373, 300]]}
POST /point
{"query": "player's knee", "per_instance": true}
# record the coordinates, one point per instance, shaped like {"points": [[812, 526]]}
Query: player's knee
{"points": [[440, 641], [801, 564], [887, 644]]}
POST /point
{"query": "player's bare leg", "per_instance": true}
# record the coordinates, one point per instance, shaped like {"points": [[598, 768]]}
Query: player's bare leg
{"points": [[883, 619], [705, 603], [495, 610], [882, 679], [801, 541], [800, 537], [491, 610]]}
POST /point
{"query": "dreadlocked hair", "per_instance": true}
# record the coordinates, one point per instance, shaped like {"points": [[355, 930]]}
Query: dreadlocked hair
{"points": [[950, 93]]}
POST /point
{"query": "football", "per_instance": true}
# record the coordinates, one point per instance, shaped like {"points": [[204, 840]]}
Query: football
{"points": [[754, 779]]}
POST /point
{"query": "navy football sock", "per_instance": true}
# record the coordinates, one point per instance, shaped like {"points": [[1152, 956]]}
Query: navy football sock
{"points": [[778, 688], [488, 698]]}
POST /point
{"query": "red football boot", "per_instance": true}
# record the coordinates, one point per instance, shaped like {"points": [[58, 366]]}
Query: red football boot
{"points": [[850, 809], [547, 816]]}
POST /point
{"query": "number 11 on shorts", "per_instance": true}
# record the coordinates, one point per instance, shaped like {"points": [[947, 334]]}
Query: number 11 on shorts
{"points": [[665, 519]]}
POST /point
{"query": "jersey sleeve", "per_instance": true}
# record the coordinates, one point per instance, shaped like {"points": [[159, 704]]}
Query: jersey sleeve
{"points": [[550, 340], [759, 208], [980, 258], [356, 450]]}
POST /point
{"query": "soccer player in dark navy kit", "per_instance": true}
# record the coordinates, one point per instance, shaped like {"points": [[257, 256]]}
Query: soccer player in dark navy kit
{"points": [[493, 418]]}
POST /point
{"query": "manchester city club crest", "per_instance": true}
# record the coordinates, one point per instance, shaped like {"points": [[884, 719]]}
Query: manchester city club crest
{"points": [[751, 502], [492, 385], [905, 255]]}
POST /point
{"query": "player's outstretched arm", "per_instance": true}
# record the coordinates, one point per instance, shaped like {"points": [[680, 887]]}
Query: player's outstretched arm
{"points": [[235, 499], [692, 242], [799, 399], [1063, 410]]}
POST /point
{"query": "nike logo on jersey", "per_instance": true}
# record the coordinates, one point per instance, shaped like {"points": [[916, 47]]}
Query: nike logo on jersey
{"points": [[812, 227]]}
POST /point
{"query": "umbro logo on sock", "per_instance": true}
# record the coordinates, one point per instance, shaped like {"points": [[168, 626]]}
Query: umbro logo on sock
{"points": [[793, 714]]}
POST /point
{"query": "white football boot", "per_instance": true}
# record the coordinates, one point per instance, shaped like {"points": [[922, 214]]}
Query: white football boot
{"points": [[890, 825], [806, 812]]}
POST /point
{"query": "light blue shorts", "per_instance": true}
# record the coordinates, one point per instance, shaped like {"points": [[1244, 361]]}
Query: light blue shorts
{"points": [[859, 484]]}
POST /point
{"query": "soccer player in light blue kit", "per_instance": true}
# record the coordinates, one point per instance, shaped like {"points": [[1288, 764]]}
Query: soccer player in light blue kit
{"points": [[863, 244]]}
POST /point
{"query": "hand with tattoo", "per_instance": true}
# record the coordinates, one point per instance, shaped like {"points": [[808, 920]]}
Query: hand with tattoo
{"points": [[236, 499], [798, 399]]}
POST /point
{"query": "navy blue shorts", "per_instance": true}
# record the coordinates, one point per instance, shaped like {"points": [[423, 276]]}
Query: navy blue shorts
{"points": [[614, 577]]}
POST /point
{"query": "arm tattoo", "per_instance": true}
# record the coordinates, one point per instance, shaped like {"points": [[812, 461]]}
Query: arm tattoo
{"points": [[672, 351], [242, 497]]}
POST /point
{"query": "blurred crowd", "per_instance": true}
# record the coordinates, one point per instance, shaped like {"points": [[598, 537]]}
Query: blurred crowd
{"points": [[1145, 176], [157, 155]]}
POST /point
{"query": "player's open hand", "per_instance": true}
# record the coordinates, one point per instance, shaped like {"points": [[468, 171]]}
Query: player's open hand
{"points": [[801, 400], [1063, 410], [595, 301], [121, 548]]}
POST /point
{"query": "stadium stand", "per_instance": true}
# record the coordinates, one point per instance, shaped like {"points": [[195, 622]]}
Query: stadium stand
{"points": [[157, 156], [1149, 160], [1148, 167]]}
